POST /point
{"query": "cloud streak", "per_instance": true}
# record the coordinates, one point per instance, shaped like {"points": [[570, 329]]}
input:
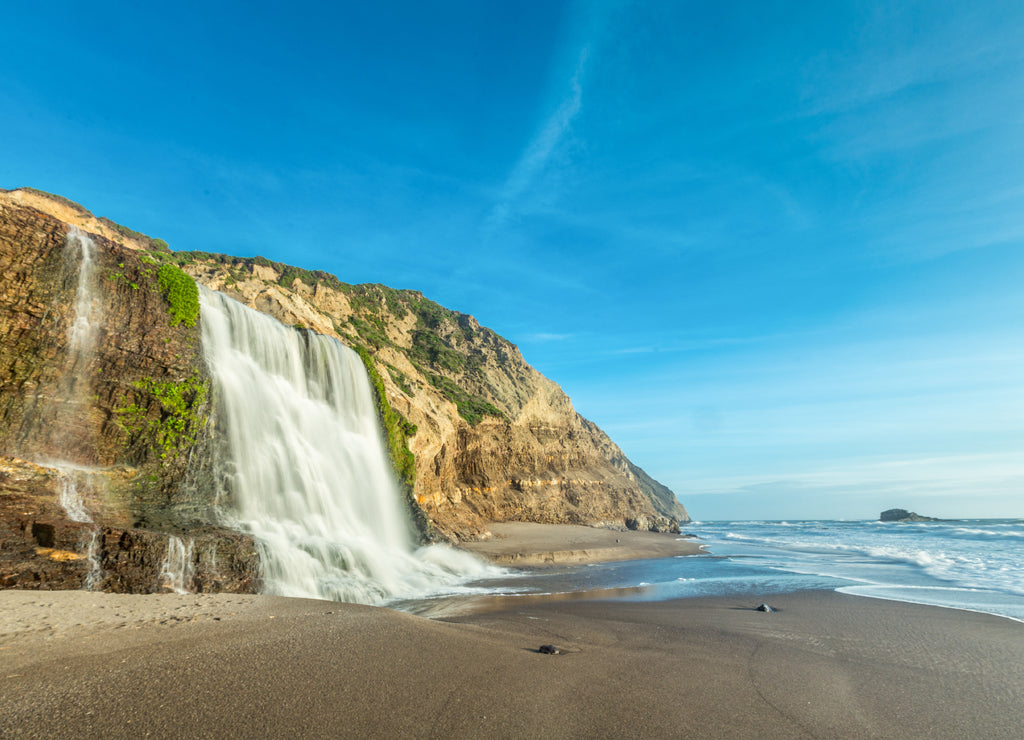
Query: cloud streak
{"points": [[538, 153], [547, 337]]}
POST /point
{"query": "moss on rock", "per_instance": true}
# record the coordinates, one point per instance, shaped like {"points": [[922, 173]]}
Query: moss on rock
{"points": [[397, 430], [180, 418], [181, 293]]}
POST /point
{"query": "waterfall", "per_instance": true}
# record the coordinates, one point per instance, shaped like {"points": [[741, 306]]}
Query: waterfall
{"points": [[64, 416], [70, 498], [82, 332], [75, 480], [312, 480], [177, 570], [94, 577]]}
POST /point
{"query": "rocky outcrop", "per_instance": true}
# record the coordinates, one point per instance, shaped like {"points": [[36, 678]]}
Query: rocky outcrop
{"points": [[42, 548], [137, 398], [125, 417], [902, 515]]}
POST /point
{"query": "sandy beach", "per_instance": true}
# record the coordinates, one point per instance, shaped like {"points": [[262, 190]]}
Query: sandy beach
{"points": [[78, 664], [524, 545]]}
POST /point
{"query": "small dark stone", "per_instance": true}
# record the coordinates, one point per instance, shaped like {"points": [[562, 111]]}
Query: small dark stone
{"points": [[548, 650], [765, 608]]}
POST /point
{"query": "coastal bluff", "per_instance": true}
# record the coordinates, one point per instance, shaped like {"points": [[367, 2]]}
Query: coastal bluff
{"points": [[492, 439], [476, 434]]}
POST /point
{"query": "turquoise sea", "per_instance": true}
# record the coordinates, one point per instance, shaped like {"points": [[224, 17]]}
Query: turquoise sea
{"points": [[967, 564]]}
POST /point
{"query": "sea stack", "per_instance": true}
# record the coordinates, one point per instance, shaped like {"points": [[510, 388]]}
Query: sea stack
{"points": [[902, 515]]}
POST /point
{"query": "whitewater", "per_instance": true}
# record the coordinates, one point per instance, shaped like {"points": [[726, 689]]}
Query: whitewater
{"points": [[310, 477], [977, 565], [974, 564]]}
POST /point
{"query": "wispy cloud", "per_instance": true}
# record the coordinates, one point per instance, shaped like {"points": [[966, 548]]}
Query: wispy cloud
{"points": [[953, 46], [546, 337], [538, 153]]}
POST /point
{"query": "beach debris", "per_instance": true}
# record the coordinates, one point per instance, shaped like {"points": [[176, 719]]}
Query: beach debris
{"points": [[549, 650], [765, 608]]}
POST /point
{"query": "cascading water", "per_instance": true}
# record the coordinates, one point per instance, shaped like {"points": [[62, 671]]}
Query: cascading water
{"points": [[76, 480], [82, 332], [70, 497], [92, 556], [312, 480], [178, 569]]}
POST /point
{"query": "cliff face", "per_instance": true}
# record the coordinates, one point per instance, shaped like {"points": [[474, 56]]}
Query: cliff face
{"points": [[494, 439], [111, 419], [126, 421]]}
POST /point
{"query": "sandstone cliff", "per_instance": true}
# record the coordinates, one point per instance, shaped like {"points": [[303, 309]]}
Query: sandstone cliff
{"points": [[494, 439], [491, 438]]}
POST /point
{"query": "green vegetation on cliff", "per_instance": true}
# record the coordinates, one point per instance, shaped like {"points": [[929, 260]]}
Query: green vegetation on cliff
{"points": [[441, 341], [158, 244], [179, 421], [471, 408], [397, 430], [181, 293], [446, 366]]}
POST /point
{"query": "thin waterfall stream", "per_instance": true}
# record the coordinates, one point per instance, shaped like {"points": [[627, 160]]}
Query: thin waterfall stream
{"points": [[76, 481], [310, 474], [87, 317]]}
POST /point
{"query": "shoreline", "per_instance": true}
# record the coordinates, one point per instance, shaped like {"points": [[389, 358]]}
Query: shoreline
{"points": [[825, 664], [848, 591], [530, 545]]}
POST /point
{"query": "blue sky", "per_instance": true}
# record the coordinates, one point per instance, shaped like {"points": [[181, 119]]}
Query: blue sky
{"points": [[773, 249]]}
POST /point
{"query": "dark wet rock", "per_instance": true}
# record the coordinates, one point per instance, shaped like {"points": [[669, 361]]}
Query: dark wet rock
{"points": [[137, 404], [41, 548]]}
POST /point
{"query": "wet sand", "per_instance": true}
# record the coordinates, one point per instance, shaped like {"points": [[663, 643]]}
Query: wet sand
{"points": [[523, 544], [76, 664]]}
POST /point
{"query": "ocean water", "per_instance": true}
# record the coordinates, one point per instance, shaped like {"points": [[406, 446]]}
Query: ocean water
{"points": [[965, 564], [975, 564]]}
